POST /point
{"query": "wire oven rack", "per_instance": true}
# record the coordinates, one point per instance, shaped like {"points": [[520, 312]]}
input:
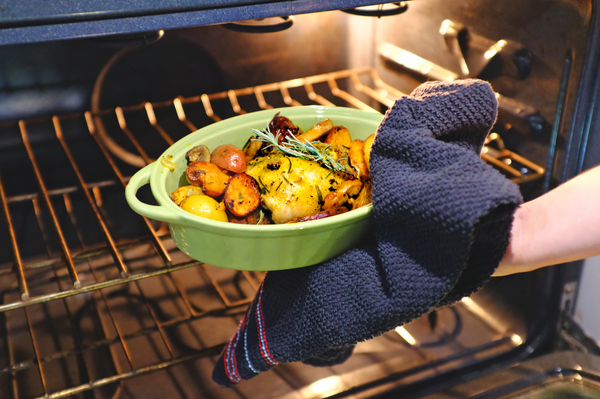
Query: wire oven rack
{"points": [[82, 279]]}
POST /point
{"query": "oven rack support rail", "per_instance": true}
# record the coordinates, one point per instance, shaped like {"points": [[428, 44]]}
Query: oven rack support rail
{"points": [[71, 270]]}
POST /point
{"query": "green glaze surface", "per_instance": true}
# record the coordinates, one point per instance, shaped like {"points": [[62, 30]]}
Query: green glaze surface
{"points": [[249, 247]]}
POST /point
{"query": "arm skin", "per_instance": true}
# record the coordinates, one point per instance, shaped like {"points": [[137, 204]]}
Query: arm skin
{"points": [[560, 226]]}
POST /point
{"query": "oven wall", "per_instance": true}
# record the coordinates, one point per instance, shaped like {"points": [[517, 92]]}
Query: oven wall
{"points": [[589, 298]]}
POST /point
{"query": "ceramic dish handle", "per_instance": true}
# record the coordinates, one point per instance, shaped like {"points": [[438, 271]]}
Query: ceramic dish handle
{"points": [[157, 212]]}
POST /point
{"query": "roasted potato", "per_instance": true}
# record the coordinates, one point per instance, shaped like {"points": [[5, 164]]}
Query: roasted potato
{"points": [[242, 195], [364, 197], [206, 207], [229, 157], [179, 195], [251, 149], [367, 151], [357, 158], [208, 176], [342, 194], [315, 132], [339, 135]]}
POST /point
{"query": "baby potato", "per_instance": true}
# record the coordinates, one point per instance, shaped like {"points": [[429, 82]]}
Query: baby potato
{"points": [[206, 207], [179, 195], [229, 157]]}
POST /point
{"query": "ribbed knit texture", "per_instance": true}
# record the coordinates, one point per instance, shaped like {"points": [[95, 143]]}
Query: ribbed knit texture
{"points": [[442, 222]]}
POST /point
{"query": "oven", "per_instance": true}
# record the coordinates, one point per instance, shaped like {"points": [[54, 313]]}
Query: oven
{"points": [[97, 302]]}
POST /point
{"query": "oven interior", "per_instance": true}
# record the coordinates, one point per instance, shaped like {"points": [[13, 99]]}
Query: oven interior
{"points": [[97, 302]]}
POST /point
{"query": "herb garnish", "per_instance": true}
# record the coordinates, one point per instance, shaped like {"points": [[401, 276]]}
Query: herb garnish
{"points": [[292, 146]]}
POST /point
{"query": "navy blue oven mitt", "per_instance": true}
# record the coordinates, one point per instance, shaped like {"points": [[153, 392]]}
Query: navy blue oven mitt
{"points": [[442, 222]]}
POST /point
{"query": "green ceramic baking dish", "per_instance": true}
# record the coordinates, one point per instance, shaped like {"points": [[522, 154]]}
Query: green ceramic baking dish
{"points": [[250, 247]]}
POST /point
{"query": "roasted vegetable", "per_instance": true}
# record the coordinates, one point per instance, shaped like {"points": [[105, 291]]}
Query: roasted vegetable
{"points": [[206, 207], [208, 176], [339, 135], [282, 126], [198, 153], [364, 197], [242, 195], [251, 149], [321, 215], [167, 162], [342, 194], [317, 131], [357, 158], [367, 151], [258, 217], [179, 195], [229, 157]]}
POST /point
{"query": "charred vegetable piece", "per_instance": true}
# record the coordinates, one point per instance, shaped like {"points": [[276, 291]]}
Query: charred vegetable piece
{"points": [[251, 149], [242, 195], [367, 151], [258, 217], [317, 131], [357, 158], [179, 195], [283, 126], [229, 157], [364, 197], [205, 206], [321, 215], [198, 153], [208, 176], [342, 194], [339, 135]]}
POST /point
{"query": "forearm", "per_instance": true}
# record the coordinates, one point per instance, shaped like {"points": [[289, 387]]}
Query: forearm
{"points": [[560, 226]]}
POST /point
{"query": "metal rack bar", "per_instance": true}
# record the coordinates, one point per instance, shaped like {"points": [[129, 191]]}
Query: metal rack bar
{"points": [[44, 191], [15, 248], [212, 351], [111, 243], [157, 243], [130, 136], [156, 125], [181, 114]]}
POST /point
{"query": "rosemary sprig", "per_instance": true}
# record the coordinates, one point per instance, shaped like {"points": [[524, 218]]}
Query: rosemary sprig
{"points": [[294, 147]]}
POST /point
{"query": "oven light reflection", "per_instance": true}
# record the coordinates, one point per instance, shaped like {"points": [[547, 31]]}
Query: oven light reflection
{"points": [[495, 49], [323, 387], [406, 336], [516, 339]]}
